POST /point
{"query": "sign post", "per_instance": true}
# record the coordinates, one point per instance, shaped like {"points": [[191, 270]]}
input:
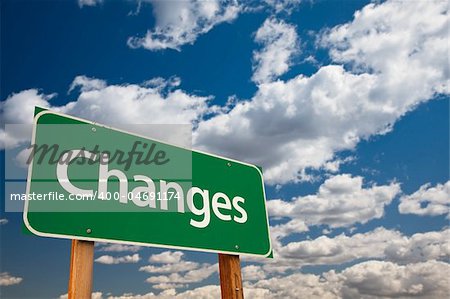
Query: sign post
{"points": [[230, 277], [81, 267]]}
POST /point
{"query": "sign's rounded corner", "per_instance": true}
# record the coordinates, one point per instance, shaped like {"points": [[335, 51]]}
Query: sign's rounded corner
{"points": [[270, 252], [40, 114], [258, 170], [32, 229]]}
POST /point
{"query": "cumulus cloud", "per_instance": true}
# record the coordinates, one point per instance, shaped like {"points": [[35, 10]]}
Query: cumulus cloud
{"points": [[341, 201], [95, 295], [181, 22], [204, 292], [180, 266], [381, 243], [192, 276], [18, 108], [283, 6], [376, 279], [280, 44], [156, 103], [290, 126], [371, 279], [393, 62], [7, 280], [396, 62], [177, 272], [290, 286], [87, 84], [117, 248], [111, 260], [419, 247], [293, 226], [166, 257], [135, 103], [166, 286], [368, 280], [414, 35], [339, 249], [427, 201], [252, 272]]}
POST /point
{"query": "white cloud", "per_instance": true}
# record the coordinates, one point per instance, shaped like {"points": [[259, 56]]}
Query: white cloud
{"points": [[430, 201], [333, 166], [398, 61], [107, 104], [181, 22], [288, 127], [166, 257], [82, 3], [180, 266], [283, 6], [161, 83], [252, 272], [419, 247], [371, 279], [7, 280], [367, 280], [3, 221], [95, 295], [118, 248], [192, 276], [87, 84], [110, 260], [291, 126], [403, 42], [290, 286], [376, 279], [280, 44], [18, 108], [341, 201], [135, 103], [340, 249], [205, 292], [178, 272], [380, 243], [293, 226], [165, 286]]}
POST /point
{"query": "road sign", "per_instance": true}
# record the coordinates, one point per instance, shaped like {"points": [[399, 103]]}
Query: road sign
{"points": [[91, 182]]}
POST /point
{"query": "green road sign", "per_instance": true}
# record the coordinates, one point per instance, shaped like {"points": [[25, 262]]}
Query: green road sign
{"points": [[92, 182]]}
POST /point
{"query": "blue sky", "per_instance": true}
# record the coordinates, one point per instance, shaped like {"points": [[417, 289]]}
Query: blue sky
{"points": [[345, 104]]}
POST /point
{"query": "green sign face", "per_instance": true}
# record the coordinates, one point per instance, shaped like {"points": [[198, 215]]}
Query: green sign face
{"points": [[91, 182]]}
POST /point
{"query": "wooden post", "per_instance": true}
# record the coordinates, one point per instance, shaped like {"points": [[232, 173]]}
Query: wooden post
{"points": [[81, 267], [230, 277]]}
